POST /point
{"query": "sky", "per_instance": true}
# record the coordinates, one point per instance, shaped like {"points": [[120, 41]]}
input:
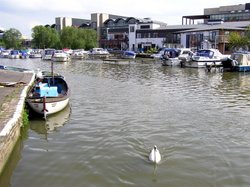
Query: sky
{"points": [[23, 15]]}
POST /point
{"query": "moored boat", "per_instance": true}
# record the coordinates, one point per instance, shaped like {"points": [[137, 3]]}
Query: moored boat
{"points": [[4, 53], [49, 94], [238, 61], [60, 56], [35, 54], [99, 53], [79, 54], [129, 55], [47, 54], [14, 54], [206, 58], [173, 56], [23, 54]]}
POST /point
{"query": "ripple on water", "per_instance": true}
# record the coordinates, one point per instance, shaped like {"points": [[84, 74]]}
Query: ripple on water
{"points": [[198, 120]]}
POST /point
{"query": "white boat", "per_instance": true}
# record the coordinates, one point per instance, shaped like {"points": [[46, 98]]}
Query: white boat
{"points": [[129, 55], [14, 54], [99, 52], [60, 56], [35, 54], [79, 54], [238, 61], [5, 53], [206, 58], [48, 95], [172, 56], [47, 54]]}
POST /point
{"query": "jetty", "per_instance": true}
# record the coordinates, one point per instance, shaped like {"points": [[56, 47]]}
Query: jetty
{"points": [[14, 85]]}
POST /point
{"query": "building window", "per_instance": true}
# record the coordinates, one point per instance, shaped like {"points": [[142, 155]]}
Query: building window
{"points": [[138, 35], [131, 29], [145, 26]]}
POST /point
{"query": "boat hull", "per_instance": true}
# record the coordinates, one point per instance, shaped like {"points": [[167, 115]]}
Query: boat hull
{"points": [[241, 68], [171, 62], [60, 59], [203, 64], [51, 106]]}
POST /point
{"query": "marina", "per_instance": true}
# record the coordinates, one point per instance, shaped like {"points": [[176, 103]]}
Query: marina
{"points": [[197, 119]]}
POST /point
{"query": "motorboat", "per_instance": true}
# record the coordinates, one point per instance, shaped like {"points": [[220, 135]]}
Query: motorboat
{"points": [[14, 54], [99, 52], [238, 61], [129, 55], [47, 54], [206, 58], [60, 56], [5, 53], [79, 54], [49, 94], [23, 54], [173, 56], [35, 54]]}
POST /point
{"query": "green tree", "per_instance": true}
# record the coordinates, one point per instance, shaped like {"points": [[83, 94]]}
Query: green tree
{"points": [[77, 38], [91, 39], [45, 37], [237, 41], [12, 38], [68, 37]]}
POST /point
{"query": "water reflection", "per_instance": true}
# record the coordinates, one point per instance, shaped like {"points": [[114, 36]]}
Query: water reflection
{"points": [[53, 122]]}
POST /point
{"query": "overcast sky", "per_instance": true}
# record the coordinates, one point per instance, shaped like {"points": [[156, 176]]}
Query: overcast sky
{"points": [[25, 14]]}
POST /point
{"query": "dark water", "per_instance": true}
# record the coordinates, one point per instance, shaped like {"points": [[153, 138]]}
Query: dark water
{"points": [[198, 120]]}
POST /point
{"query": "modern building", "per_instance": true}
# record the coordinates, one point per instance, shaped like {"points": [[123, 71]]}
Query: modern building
{"points": [[212, 35], [62, 22], [121, 33], [130, 33], [230, 13]]}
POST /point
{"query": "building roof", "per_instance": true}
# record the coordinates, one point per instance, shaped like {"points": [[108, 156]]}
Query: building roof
{"points": [[240, 25]]}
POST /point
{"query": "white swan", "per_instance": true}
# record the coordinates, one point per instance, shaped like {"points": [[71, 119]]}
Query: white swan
{"points": [[155, 155]]}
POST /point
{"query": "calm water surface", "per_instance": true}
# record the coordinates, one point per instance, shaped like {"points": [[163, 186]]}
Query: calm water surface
{"points": [[198, 120]]}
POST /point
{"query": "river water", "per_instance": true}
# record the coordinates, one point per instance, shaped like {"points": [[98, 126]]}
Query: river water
{"points": [[117, 113]]}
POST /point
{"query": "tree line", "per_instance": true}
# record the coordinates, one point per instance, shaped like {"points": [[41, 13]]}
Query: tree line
{"points": [[79, 38], [47, 37]]}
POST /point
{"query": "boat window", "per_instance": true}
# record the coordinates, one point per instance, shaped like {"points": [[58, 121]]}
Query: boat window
{"points": [[205, 53]]}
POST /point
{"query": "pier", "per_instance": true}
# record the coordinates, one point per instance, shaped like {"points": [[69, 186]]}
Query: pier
{"points": [[13, 89]]}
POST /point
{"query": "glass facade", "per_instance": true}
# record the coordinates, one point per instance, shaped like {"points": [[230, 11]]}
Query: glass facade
{"points": [[239, 16]]}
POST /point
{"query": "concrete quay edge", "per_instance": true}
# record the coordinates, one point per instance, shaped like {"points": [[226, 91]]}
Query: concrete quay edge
{"points": [[10, 133]]}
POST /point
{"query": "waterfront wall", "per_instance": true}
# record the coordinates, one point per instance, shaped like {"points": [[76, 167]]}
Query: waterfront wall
{"points": [[11, 131]]}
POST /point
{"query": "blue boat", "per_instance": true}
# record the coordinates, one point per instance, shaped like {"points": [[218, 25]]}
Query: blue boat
{"points": [[239, 62], [129, 55], [14, 54]]}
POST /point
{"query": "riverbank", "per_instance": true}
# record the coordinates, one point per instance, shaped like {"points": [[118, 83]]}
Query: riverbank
{"points": [[13, 90]]}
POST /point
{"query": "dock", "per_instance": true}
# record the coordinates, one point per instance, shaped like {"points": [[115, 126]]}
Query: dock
{"points": [[13, 90]]}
